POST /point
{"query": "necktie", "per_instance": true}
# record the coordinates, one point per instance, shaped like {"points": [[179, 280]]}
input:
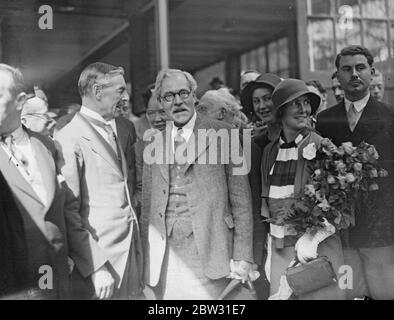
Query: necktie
{"points": [[9, 142], [111, 136], [352, 117], [179, 140]]}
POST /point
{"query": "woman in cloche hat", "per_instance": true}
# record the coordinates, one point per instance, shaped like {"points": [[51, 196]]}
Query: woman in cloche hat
{"points": [[256, 98], [286, 167]]}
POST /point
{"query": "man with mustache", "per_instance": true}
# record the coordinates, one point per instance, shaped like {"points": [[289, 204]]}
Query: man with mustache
{"points": [[196, 222], [360, 117]]}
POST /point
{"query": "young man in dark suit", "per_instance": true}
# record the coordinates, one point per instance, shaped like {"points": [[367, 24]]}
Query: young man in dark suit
{"points": [[360, 117]]}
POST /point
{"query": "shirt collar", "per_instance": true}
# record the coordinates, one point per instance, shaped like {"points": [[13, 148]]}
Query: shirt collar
{"points": [[93, 114], [187, 128], [358, 105], [18, 135], [295, 142]]}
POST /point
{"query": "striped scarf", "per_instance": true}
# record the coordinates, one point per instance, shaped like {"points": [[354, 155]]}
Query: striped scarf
{"points": [[281, 181]]}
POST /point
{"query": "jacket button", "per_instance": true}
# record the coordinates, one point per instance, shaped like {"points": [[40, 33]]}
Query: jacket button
{"points": [[164, 191]]}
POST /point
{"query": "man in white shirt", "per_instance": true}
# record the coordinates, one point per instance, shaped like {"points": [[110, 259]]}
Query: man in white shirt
{"points": [[27, 163], [101, 223], [196, 220]]}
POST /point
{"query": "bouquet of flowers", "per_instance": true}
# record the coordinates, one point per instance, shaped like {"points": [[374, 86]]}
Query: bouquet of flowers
{"points": [[340, 176]]}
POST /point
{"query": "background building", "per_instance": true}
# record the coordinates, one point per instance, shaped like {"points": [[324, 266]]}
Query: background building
{"points": [[210, 38]]}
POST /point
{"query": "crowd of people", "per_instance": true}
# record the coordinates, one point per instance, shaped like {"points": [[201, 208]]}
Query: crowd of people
{"points": [[95, 206]]}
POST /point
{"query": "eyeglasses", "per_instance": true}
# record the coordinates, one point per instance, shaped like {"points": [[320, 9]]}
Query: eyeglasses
{"points": [[170, 96], [41, 116]]}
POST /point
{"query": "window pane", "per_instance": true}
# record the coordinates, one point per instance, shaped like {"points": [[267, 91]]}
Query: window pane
{"points": [[262, 66], [374, 8], [375, 39], [319, 7], [283, 50], [352, 3], [348, 36], [321, 44], [391, 6], [273, 57]]}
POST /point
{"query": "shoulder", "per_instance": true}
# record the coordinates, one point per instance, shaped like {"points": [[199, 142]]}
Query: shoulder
{"points": [[126, 124], [330, 112], [46, 141]]}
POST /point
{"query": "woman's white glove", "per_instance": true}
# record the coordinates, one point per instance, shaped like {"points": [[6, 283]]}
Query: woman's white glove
{"points": [[306, 246]]}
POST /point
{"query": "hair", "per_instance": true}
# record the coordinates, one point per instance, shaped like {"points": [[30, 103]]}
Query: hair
{"points": [[334, 75], [93, 72], [163, 74], [223, 99], [352, 51], [317, 84], [18, 82], [377, 74], [147, 94]]}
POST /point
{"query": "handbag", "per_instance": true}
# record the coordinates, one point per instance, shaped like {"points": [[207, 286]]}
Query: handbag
{"points": [[311, 276]]}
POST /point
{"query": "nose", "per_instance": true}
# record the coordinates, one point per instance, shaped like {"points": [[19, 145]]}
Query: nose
{"points": [[354, 73], [125, 96], [177, 99]]}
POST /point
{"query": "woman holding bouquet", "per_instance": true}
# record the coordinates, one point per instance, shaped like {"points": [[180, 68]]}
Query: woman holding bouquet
{"points": [[286, 166]]}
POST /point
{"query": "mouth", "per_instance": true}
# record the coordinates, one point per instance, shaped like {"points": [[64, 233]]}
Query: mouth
{"points": [[179, 111], [355, 83]]}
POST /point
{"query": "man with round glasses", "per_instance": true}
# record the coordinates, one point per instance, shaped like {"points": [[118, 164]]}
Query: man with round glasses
{"points": [[196, 221]]}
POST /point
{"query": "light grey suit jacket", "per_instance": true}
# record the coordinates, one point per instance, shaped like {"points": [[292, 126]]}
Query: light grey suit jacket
{"points": [[98, 211], [220, 205]]}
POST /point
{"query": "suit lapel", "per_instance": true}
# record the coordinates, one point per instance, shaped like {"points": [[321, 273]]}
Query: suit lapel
{"points": [[47, 168], [167, 153], [15, 179], [98, 144], [199, 146], [369, 122]]}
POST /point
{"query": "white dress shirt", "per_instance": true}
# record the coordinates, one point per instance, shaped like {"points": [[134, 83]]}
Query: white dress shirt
{"points": [[93, 114], [358, 105], [32, 173], [187, 130]]}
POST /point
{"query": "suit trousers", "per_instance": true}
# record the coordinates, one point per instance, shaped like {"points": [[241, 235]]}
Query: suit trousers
{"points": [[372, 271], [182, 275]]}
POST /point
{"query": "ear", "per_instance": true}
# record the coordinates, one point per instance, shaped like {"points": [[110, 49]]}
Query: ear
{"points": [[96, 91], [20, 101], [221, 113], [23, 120]]}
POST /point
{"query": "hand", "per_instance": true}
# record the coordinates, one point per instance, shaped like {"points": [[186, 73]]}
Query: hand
{"points": [[306, 248], [103, 283], [71, 265], [240, 269]]}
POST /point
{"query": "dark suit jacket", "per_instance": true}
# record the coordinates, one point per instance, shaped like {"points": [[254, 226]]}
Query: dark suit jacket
{"points": [[375, 217], [49, 232], [220, 206], [127, 138]]}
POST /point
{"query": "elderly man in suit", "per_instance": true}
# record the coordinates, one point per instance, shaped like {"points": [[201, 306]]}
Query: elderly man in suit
{"points": [[31, 212], [360, 117], [101, 222], [196, 223]]}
